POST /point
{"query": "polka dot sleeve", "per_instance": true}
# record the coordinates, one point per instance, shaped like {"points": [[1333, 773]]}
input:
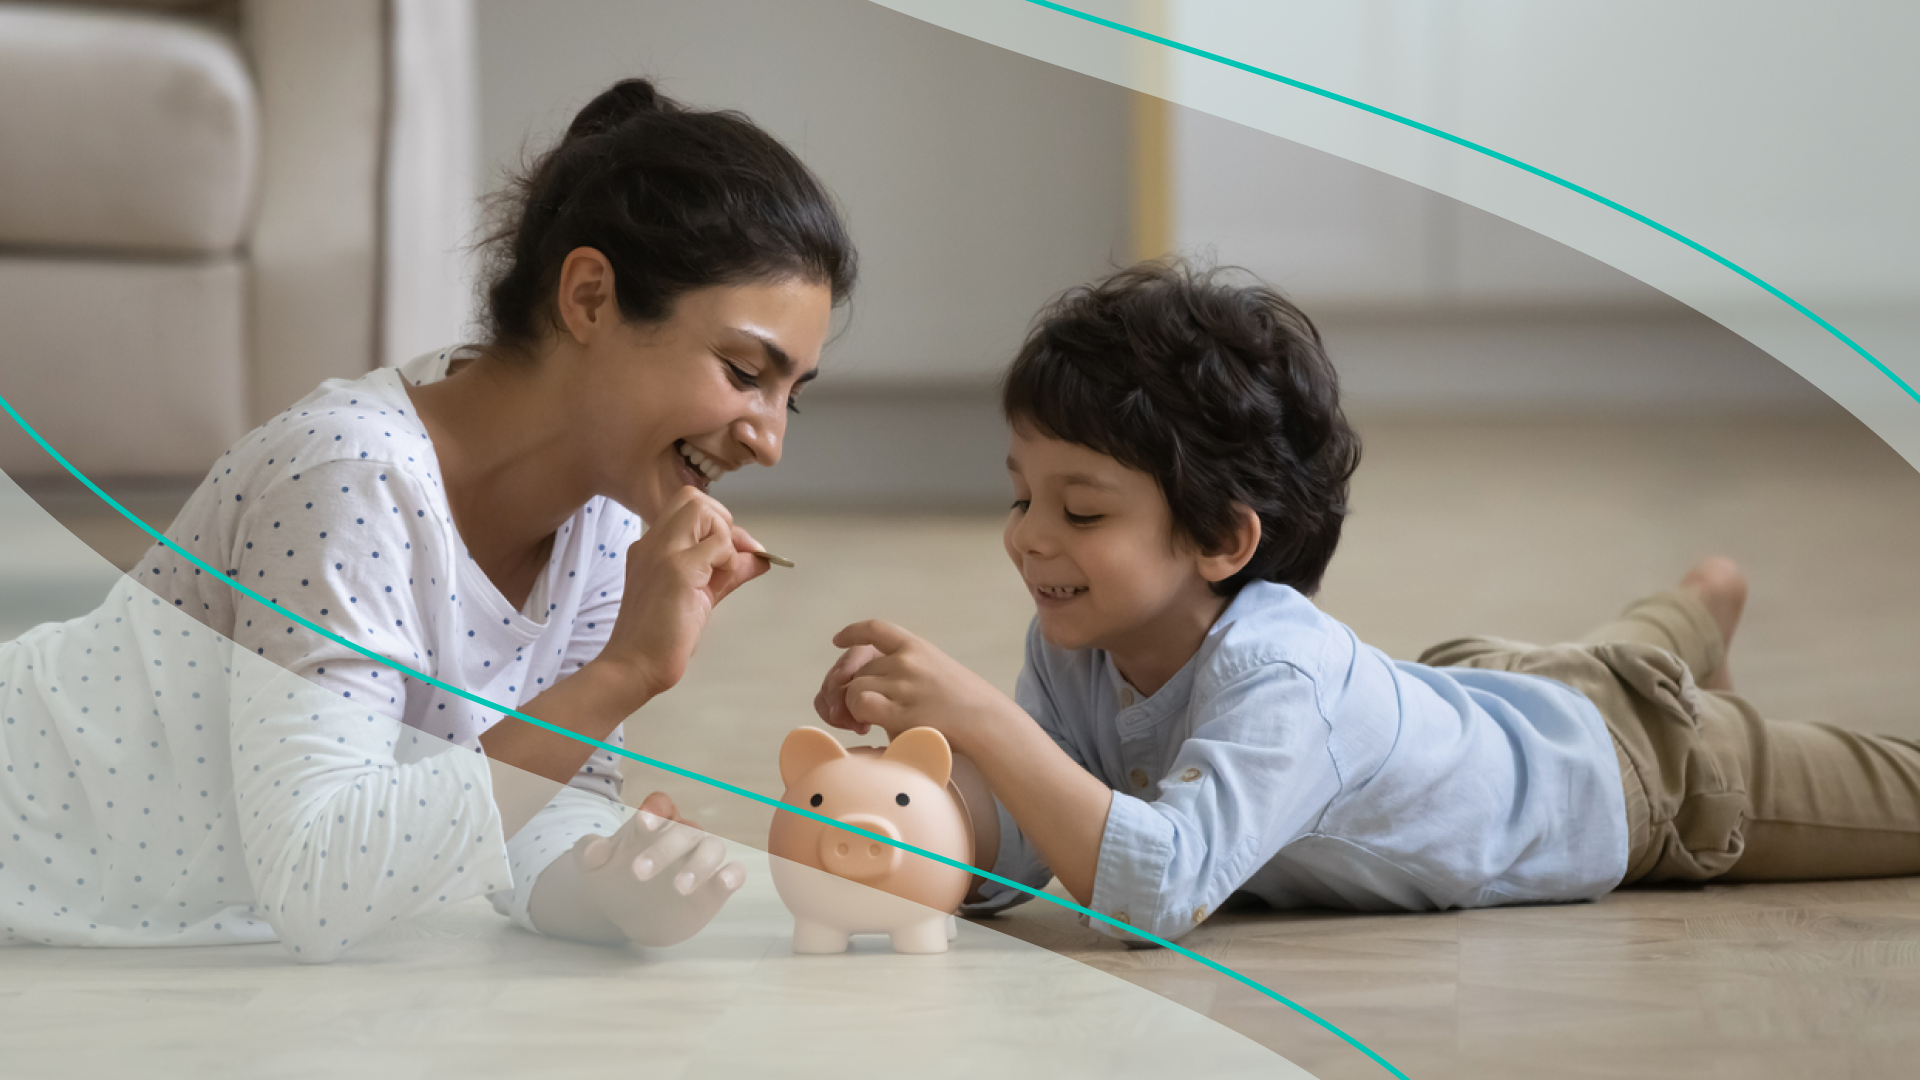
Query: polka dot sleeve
{"points": [[339, 838], [343, 831], [339, 545]]}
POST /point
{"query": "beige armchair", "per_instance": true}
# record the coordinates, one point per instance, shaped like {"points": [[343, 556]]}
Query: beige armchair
{"points": [[209, 206]]}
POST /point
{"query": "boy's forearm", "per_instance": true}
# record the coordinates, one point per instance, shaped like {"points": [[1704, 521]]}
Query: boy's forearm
{"points": [[982, 816], [1058, 805]]}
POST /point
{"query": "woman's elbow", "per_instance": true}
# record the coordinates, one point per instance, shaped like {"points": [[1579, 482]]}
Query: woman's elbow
{"points": [[312, 938], [313, 949]]}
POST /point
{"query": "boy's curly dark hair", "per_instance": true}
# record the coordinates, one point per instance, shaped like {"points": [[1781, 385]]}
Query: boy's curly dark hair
{"points": [[1221, 392]]}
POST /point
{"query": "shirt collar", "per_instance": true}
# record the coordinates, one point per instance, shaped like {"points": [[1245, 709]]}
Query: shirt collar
{"points": [[1174, 696]]}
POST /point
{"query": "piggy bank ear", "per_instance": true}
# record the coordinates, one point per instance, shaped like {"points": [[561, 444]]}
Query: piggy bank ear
{"points": [[806, 749], [925, 749]]}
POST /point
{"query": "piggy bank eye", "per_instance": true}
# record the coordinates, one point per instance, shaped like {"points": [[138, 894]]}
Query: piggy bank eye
{"points": [[815, 801], [902, 799]]}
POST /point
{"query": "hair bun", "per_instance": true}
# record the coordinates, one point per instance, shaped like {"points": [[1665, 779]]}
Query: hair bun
{"points": [[621, 102]]}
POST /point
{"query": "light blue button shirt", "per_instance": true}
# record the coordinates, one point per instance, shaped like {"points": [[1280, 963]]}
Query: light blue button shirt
{"points": [[1291, 761]]}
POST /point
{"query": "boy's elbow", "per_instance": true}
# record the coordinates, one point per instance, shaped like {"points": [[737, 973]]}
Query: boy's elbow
{"points": [[1130, 936]]}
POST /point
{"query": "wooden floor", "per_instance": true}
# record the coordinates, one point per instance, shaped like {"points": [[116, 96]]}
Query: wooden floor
{"points": [[1529, 532], [460, 993]]}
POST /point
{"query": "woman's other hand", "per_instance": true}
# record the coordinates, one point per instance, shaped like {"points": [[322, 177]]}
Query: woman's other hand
{"points": [[685, 564], [658, 877], [831, 701]]}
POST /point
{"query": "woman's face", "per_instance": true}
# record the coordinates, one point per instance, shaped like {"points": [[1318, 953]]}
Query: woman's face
{"points": [[705, 392]]}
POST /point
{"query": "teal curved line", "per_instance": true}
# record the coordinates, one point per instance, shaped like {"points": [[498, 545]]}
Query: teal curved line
{"points": [[1477, 148], [668, 766]]}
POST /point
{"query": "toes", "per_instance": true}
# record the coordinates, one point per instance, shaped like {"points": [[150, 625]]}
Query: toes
{"points": [[1721, 588], [1720, 578]]}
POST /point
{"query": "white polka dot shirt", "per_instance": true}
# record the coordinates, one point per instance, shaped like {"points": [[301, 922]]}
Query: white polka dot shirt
{"points": [[187, 766]]}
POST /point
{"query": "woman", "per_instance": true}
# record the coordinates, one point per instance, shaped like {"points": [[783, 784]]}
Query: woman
{"points": [[662, 289]]}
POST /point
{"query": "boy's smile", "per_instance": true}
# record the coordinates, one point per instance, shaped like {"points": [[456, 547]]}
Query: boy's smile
{"points": [[1095, 543]]}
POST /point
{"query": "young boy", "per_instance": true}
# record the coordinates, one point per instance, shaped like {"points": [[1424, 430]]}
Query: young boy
{"points": [[1189, 725]]}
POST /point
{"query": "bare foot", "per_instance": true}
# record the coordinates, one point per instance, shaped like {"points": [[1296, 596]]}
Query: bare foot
{"points": [[1722, 589]]}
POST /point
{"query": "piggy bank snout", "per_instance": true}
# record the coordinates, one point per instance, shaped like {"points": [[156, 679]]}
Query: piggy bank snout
{"points": [[856, 857]]}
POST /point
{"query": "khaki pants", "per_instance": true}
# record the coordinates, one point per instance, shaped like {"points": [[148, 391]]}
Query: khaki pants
{"points": [[1713, 790]]}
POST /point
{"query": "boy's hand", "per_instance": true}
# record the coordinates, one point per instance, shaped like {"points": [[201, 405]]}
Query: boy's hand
{"points": [[831, 701], [910, 684]]}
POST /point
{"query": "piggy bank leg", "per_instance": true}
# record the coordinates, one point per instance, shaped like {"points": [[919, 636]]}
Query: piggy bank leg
{"points": [[817, 939], [925, 936], [953, 927]]}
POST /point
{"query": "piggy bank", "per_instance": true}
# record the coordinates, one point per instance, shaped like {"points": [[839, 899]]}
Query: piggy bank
{"points": [[838, 883]]}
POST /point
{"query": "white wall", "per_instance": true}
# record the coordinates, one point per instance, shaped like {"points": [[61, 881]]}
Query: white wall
{"points": [[1430, 305], [977, 182]]}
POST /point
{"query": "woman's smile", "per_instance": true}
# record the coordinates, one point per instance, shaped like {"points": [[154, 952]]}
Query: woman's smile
{"points": [[711, 468], [694, 468]]}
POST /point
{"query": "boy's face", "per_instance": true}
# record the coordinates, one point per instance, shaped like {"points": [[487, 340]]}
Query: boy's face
{"points": [[1095, 543]]}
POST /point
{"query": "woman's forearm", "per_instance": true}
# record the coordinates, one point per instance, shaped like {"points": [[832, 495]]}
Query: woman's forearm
{"points": [[590, 702]]}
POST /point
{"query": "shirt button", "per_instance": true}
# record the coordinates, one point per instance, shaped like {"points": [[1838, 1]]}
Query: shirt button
{"points": [[1121, 917], [1139, 778], [1126, 698], [1199, 915], [1190, 775]]}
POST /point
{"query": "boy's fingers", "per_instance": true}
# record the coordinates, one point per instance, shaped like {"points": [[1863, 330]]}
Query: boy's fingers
{"points": [[838, 716], [844, 667], [865, 660], [846, 721], [868, 704], [878, 633], [846, 717]]}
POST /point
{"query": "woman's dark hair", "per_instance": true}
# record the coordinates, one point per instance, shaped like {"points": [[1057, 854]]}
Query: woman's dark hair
{"points": [[675, 198], [1222, 393]]}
